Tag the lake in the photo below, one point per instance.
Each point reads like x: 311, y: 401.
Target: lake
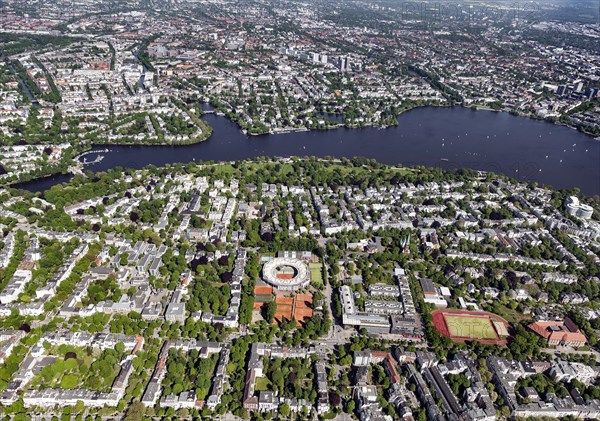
x: 448, y: 138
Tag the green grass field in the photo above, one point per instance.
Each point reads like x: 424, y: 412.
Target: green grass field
x: 262, y: 383
x: 511, y: 316
x: 470, y: 327
x: 316, y: 275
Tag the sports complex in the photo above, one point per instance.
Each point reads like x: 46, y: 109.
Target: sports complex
x: 463, y: 326
x: 287, y: 274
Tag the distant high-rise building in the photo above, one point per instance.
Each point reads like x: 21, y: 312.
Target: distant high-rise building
x: 343, y: 64
x: 591, y: 93
x: 562, y: 89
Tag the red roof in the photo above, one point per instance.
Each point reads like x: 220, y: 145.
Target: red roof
x: 559, y: 331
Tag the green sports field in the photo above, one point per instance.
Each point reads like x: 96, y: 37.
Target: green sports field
x: 316, y: 276
x: 470, y: 327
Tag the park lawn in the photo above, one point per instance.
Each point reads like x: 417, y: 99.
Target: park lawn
x: 224, y: 170
x: 511, y: 316
x: 286, y: 169
x: 316, y: 274
x: 262, y: 383
x: 252, y: 168
x: 470, y: 327
x: 404, y: 170
x: 333, y: 167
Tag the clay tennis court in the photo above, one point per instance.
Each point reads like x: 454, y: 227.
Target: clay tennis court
x: 281, y: 313
x: 303, y: 307
x: 263, y: 290
x: 299, y: 306
x: 285, y: 307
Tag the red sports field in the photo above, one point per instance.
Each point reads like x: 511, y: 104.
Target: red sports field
x: 462, y: 326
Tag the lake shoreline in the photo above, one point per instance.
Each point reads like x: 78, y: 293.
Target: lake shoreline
x: 448, y: 137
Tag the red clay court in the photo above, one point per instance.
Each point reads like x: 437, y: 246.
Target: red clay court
x: 303, y: 307
x: 285, y: 308
x: 263, y: 290
x: 463, y: 326
x: 300, y: 306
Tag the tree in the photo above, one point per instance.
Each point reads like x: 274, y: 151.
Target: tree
x: 278, y: 379
x: 335, y: 399
x: 270, y: 312
x: 350, y: 406
x: 135, y: 412
x: 177, y: 388
x: 79, y: 407
x: 284, y: 410
x: 69, y: 381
